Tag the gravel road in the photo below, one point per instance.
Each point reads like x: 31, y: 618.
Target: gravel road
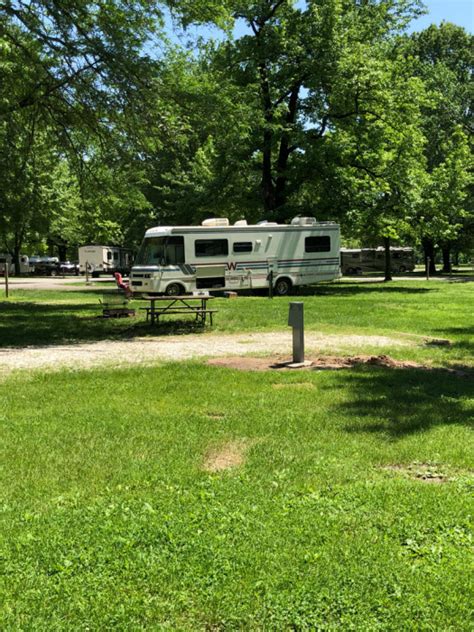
x: 154, y: 350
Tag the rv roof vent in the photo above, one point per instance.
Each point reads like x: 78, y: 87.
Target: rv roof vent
x: 303, y: 221
x: 264, y: 222
x: 216, y: 221
x: 241, y: 222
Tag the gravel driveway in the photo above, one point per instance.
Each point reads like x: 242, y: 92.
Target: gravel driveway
x: 153, y: 350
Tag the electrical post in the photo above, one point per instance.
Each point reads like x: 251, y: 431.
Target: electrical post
x: 5, y: 274
x: 272, y: 263
x: 428, y: 268
x: 270, y: 284
x: 296, y: 320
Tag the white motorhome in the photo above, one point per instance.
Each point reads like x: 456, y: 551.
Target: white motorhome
x: 216, y: 255
x: 104, y: 260
x: 7, y: 259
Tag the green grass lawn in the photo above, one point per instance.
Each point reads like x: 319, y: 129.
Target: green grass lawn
x: 351, y: 510
x: 412, y: 308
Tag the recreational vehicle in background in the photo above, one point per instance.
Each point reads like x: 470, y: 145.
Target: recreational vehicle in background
x: 216, y: 255
x: 104, y: 260
x: 359, y: 260
x: 7, y: 260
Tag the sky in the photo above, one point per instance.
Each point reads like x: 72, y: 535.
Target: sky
x: 459, y: 12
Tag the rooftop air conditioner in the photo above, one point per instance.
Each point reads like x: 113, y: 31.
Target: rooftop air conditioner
x: 303, y: 221
x: 216, y: 221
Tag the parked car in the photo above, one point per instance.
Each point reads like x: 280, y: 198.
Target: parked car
x: 46, y: 266
x: 69, y: 267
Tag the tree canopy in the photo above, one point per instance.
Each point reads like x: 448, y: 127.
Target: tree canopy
x: 110, y: 123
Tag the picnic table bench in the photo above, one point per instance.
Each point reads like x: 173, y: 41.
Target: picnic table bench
x: 193, y: 304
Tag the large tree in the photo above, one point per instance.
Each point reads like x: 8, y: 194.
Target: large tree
x: 292, y: 66
x: 444, y: 59
x: 380, y: 153
x: 79, y: 76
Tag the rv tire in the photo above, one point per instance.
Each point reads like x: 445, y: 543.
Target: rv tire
x: 174, y: 289
x: 282, y: 287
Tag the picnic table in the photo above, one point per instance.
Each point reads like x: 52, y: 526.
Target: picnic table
x: 194, y: 304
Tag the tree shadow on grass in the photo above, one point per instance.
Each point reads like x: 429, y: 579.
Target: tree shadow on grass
x: 400, y: 402
x: 25, y: 324
x: 465, y: 337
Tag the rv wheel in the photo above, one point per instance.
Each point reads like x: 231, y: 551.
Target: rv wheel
x: 174, y: 289
x: 282, y: 287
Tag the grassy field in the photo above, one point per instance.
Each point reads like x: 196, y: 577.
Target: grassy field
x: 412, y: 308
x: 351, y: 509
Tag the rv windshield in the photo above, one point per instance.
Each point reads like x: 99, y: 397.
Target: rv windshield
x: 156, y: 251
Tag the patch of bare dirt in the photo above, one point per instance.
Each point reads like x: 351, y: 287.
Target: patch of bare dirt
x: 291, y: 385
x: 227, y: 456
x: 424, y: 472
x: 437, y: 342
x: 319, y: 363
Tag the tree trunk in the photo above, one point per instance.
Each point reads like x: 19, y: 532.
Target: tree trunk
x: 16, y: 259
x: 284, y: 154
x: 388, y: 259
x: 62, y: 252
x: 446, y: 250
x: 268, y: 188
x: 429, y: 250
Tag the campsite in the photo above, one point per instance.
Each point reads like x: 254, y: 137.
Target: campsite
x: 236, y: 315
x: 323, y: 497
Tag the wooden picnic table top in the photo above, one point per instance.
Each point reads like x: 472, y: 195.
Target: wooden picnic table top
x: 181, y: 304
x: 183, y: 297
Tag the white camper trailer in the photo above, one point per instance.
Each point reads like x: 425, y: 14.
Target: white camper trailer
x: 7, y: 259
x: 216, y: 255
x: 104, y: 260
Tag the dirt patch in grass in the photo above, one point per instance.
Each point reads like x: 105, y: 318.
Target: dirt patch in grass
x: 216, y: 416
x: 438, y: 342
x: 424, y: 472
x: 290, y: 385
x: 227, y: 456
x: 319, y: 363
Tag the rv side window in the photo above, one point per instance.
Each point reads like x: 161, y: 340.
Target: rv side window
x: 242, y: 246
x: 211, y: 247
x: 317, y: 244
x: 115, y: 256
x: 174, y: 250
x: 109, y: 255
